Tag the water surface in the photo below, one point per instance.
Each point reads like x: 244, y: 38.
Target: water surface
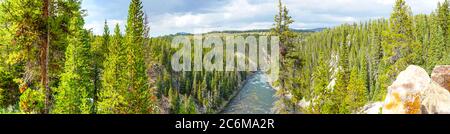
x: 255, y: 97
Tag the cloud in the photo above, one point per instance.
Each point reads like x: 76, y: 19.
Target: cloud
x: 237, y: 14
x: 172, y: 16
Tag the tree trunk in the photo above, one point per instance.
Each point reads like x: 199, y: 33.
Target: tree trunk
x: 45, y: 39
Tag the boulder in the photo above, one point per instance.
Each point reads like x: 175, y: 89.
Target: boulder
x: 435, y: 100
x: 441, y: 75
x: 404, y: 95
x: 414, y: 92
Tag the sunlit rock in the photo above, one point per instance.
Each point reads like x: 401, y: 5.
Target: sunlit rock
x: 404, y: 95
x: 436, y: 100
x: 371, y: 108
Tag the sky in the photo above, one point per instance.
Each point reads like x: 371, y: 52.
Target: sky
x: 199, y: 16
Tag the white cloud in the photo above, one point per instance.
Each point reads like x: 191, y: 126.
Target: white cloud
x: 228, y: 17
x: 257, y: 14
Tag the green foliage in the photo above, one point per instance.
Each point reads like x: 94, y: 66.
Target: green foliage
x: 338, y: 69
x: 9, y: 94
x: 399, y: 47
x: 321, y: 92
x: 28, y: 28
x: 190, y: 92
x: 75, y: 93
x: 99, y: 50
x: 32, y: 101
x: 281, y: 29
x: 111, y: 99
x: 139, y: 96
x: 357, y: 96
x: 173, y: 101
x: 437, y: 52
x: 361, y: 60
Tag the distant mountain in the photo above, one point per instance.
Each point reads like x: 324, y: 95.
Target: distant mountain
x: 183, y: 33
x: 268, y: 30
x: 248, y: 31
x: 317, y: 29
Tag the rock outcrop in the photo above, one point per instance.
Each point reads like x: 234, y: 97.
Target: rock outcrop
x: 404, y: 95
x: 414, y: 92
x: 441, y: 75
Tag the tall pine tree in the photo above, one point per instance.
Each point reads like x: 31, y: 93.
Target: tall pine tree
x: 139, y: 96
x: 399, y: 47
x: 111, y: 97
x: 74, y: 94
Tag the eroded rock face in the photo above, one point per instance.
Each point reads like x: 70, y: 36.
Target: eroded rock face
x: 441, y: 75
x: 404, y: 95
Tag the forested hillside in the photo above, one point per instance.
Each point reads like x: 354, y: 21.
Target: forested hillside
x: 51, y: 64
x: 340, y: 69
x: 79, y: 72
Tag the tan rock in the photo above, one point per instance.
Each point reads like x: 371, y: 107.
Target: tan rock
x: 436, y: 100
x: 441, y: 75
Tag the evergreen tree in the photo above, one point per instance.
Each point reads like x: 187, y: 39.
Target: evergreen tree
x: 357, y: 90
x: 111, y: 98
x: 399, y: 48
x: 75, y: 93
x: 174, y: 101
x: 320, y: 76
x: 440, y: 33
x: 342, y: 77
x: 435, y: 50
x: 286, y: 37
x: 139, y: 93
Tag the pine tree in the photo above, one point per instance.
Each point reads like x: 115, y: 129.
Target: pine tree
x: 399, y: 48
x: 29, y: 22
x: 9, y: 94
x: 436, y: 48
x: 174, y: 101
x: 75, y: 92
x: 190, y: 106
x: 138, y: 97
x: 357, y: 90
x: 440, y: 33
x: 201, y: 91
x: 320, y: 76
x: 443, y: 18
x: 342, y: 77
x: 286, y: 37
x: 99, y: 51
x: 106, y: 39
x: 111, y: 99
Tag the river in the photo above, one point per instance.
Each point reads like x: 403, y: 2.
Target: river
x: 255, y: 97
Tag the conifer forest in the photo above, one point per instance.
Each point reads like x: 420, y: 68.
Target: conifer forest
x: 51, y: 64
